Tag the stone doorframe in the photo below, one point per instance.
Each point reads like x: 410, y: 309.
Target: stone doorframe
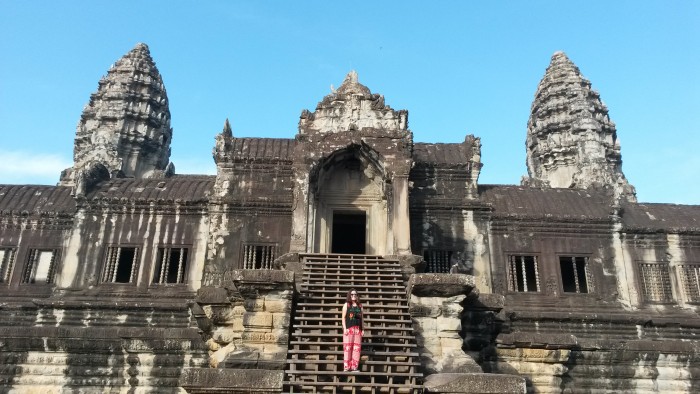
x: 318, y: 192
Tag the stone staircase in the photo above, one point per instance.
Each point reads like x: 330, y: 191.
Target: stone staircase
x: 389, y: 362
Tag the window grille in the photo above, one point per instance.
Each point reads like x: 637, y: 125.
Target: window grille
x: 121, y: 265
x: 40, y: 266
x: 575, y: 275
x: 523, y: 274
x: 656, y: 282
x: 258, y: 256
x: 437, y: 260
x: 690, y: 281
x: 171, y: 266
x: 7, y: 260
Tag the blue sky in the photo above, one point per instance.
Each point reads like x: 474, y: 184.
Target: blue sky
x: 458, y: 67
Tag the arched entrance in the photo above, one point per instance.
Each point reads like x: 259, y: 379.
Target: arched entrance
x: 348, y: 203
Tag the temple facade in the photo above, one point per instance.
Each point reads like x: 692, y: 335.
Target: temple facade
x: 127, y: 276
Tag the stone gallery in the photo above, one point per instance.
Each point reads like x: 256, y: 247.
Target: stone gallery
x: 130, y: 277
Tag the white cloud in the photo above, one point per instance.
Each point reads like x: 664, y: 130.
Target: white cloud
x: 20, y: 167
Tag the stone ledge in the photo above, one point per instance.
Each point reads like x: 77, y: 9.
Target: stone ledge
x: 486, y: 301
x: 461, y: 383
x: 262, y: 276
x: 537, y: 340
x: 210, y: 380
x: 440, y: 285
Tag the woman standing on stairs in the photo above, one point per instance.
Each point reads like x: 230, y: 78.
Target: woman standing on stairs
x: 352, y: 331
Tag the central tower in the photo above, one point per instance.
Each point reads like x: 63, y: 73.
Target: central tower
x: 351, y: 163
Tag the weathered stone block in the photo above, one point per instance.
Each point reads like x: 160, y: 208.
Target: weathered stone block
x: 257, y: 320
x: 440, y: 285
x: 464, y: 383
x: 223, y: 335
x: 448, y: 324
x: 276, y: 305
x: 280, y: 320
x: 254, y: 305
x: 426, y: 325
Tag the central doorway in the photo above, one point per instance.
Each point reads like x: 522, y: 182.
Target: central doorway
x: 349, y: 232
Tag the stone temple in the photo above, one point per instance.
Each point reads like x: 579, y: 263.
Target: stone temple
x: 130, y: 277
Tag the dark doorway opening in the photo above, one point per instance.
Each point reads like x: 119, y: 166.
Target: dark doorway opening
x: 349, y: 232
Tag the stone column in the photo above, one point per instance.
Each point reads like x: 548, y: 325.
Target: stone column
x: 300, y: 210
x: 401, y: 227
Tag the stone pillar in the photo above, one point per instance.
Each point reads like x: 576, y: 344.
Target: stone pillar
x: 300, y: 210
x: 401, y: 227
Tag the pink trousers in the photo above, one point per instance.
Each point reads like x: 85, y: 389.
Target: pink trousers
x: 352, y: 341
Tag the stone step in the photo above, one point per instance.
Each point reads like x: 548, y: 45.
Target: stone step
x: 322, y: 387
x: 367, y: 353
x: 339, y: 306
x: 369, y: 321
x: 370, y: 363
x: 382, y: 293
x: 361, y: 288
x: 317, y: 329
x: 358, y: 373
x: 339, y: 299
x: 368, y: 312
x: 387, y: 277
x: 367, y: 337
x: 389, y: 351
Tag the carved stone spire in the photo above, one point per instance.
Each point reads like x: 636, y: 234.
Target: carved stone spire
x: 352, y: 107
x: 126, y: 125
x: 571, y: 141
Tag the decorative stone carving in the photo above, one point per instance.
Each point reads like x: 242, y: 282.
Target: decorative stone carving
x: 571, y: 141
x: 352, y: 107
x: 126, y: 125
x: 248, y: 320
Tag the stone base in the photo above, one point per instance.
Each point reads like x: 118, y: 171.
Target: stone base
x: 235, y: 381
x: 255, y: 360
x: 448, y: 383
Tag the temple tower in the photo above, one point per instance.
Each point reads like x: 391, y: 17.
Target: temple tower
x: 571, y: 141
x: 124, y: 130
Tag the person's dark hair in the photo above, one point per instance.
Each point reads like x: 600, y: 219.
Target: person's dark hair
x: 348, y: 299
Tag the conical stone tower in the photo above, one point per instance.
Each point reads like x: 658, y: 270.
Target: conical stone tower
x: 571, y: 141
x: 125, y: 128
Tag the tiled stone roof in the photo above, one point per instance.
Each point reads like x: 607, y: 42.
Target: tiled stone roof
x: 508, y: 200
x: 35, y: 199
x: 262, y: 148
x: 661, y: 217
x: 190, y: 188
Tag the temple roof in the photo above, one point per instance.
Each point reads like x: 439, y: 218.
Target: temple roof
x: 186, y: 188
x: 558, y: 203
x: 262, y: 148
x: 36, y: 199
x: 661, y: 217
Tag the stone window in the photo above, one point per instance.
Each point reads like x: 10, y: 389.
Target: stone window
x: 41, y: 264
x: 656, y: 282
x: 689, y: 275
x: 121, y: 265
x: 575, y: 275
x: 258, y: 256
x: 171, y: 266
x: 437, y: 260
x: 7, y: 260
x: 523, y: 274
